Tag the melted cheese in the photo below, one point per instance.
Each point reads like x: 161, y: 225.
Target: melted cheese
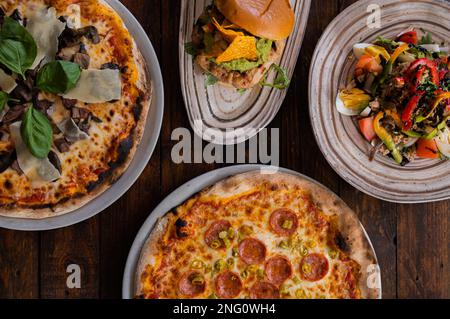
x: 97, y: 86
x: 45, y: 28
x: 7, y: 82
x: 37, y: 170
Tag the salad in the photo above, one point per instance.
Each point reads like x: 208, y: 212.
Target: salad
x: 400, y: 95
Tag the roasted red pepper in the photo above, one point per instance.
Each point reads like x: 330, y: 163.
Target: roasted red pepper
x: 408, y: 37
x: 409, y: 110
x: 431, y: 65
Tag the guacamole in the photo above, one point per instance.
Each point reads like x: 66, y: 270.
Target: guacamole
x: 263, y: 46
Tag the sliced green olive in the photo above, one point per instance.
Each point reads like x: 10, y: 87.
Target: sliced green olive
x: 287, y: 224
x: 197, y: 264
x: 220, y: 265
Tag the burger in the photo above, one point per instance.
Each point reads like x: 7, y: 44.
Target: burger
x: 237, y: 42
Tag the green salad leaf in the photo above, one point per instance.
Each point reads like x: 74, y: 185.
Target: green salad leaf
x: 37, y: 133
x: 210, y: 79
x: 58, y: 77
x: 18, y: 50
x: 190, y: 49
x: 282, y: 80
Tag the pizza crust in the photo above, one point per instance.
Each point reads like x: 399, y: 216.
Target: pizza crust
x: 145, y: 85
x: 360, y: 248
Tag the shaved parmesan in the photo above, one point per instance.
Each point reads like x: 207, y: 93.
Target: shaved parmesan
x: 71, y: 131
x: 7, y: 82
x: 45, y: 28
x: 73, y: 16
x: 97, y: 86
x: 37, y: 170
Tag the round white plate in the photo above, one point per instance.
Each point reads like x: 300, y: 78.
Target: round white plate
x: 214, y: 110
x: 178, y: 197
x: 338, y: 136
x: 143, y: 153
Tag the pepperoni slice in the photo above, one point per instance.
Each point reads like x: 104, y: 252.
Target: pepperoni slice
x: 228, y: 285
x: 278, y: 270
x: 314, y: 267
x: 189, y: 285
x: 283, y: 222
x: 264, y: 290
x: 252, y: 251
x: 212, y: 234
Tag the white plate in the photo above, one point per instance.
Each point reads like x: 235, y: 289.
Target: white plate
x: 143, y: 153
x: 338, y: 136
x: 178, y: 197
x: 214, y: 109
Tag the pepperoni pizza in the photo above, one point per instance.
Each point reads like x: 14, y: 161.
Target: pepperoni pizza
x: 258, y: 236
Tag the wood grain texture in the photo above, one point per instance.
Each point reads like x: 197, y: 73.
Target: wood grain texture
x: 412, y: 241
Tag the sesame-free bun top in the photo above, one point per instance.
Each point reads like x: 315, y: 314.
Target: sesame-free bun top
x: 270, y: 19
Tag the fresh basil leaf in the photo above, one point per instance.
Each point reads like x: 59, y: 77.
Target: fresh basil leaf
x: 282, y: 80
x: 3, y: 100
x: 242, y: 91
x: 58, y: 77
x: 210, y: 79
x: 190, y: 49
x: 18, y: 50
x: 37, y: 133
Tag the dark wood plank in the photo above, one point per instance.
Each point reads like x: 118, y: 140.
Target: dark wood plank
x: 76, y: 245
x: 121, y: 222
x: 19, y: 264
x: 424, y: 251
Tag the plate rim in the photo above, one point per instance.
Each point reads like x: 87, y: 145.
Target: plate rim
x: 189, y: 189
x: 336, y: 167
x: 134, y: 171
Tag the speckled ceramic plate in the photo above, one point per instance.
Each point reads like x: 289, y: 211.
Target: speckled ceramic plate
x: 214, y: 109
x: 143, y: 153
x: 186, y: 191
x: 338, y: 136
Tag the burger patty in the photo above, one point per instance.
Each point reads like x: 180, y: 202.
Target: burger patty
x: 245, y: 80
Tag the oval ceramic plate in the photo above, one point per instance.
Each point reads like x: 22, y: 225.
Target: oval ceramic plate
x: 214, y: 109
x: 338, y: 136
x: 143, y: 153
x: 182, y: 194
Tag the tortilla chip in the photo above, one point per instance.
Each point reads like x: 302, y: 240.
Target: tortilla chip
x: 243, y: 47
x: 230, y: 35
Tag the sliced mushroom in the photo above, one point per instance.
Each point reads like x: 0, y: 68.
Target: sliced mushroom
x: 68, y: 104
x: 54, y: 159
x: 82, y: 59
x: 91, y: 33
x: 79, y: 113
x: 67, y: 53
x: 42, y: 105
x: 14, y: 114
x: 110, y: 65
x: 71, y: 37
x: 62, y: 145
x: 6, y: 160
x: 22, y: 92
x: 16, y: 15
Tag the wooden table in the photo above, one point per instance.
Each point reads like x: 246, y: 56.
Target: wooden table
x: 412, y: 241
